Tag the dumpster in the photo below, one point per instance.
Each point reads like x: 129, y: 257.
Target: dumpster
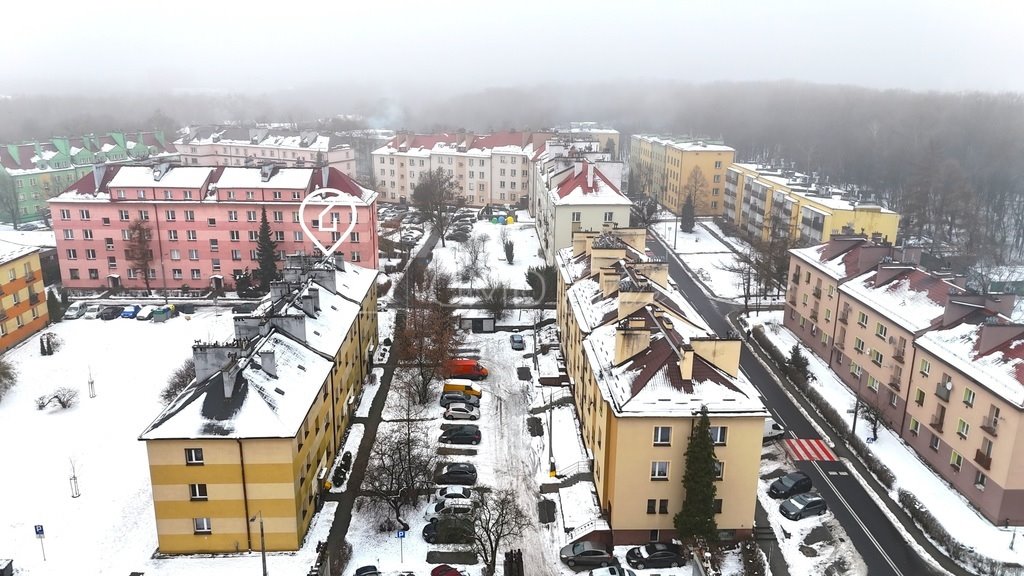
x: 162, y: 314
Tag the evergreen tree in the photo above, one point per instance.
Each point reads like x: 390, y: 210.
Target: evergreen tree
x: 798, y: 365
x: 266, y: 255
x: 139, y: 250
x: 42, y: 347
x: 686, y: 215
x: 53, y: 307
x: 697, y: 518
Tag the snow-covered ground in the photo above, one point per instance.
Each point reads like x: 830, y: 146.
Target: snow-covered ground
x: 355, y: 437
x: 912, y: 474
x: 527, y: 248
x: 370, y: 390
x: 700, y: 241
x: 706, y: 256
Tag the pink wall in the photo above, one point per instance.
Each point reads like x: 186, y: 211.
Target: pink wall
x: 364, y: 251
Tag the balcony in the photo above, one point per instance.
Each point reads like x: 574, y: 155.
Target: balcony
x: 817, y: 293
x: 33, y: 298
x: 795, y: 277
x: 840, y: 345
x: 814, y: 315
x: 844, y: 317
x: 983, y: 460
x: 792, y: 301
x: 988, y: 424
x: 894, y: 383
x: 30, y: 277
x: 937, y: 422
x: 942, y: 391
x: 3, y: 314
x: 898, y: 356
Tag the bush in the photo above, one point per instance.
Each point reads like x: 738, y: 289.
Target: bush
x: 179, y: 380
x: 753, y: 560
x: 43, y: 401
x: 497, y: 298
x: 382, y: 289
x: 65, y: 397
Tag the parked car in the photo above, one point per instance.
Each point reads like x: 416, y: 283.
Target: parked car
x: 655, y: 555
x: 462, y: 434
x: 518, y: 342
x: 111, y: 312
x: 457, y: 492
x: 92, y: 312
x: 457, y: 473
x: 367, y: 571
x: 27, y: 227
x: 586, y: 553
x: 146, y: 312
x: 244, y: 308
x: 445, y: 570
x: 448, y: 508
x: 461, y: 412
x: 464, y: 368
x: 456, y: 236
x: 449, y: 531
x: 449, y: 398
x: 803, y: 505
x: 611, y: 571
x: 772, y: 430
x: 462, y: 386
x: 130, y: 311
x: 790, y: 485
x: 76, y: 310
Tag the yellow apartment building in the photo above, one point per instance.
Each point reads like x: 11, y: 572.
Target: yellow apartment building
x: 660, y: 168
x: 764, y: 202
x: 257, y: 432
x: 642, y: 364
x: 22, y: 294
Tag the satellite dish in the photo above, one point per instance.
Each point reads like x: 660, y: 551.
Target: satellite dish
x: 949, y: 385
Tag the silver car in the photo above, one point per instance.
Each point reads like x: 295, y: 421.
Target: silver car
x: 460, y: 411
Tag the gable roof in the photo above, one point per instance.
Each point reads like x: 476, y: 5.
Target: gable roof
x: 912, y: 298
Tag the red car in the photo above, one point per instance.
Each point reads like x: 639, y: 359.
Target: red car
x: 445, y: 570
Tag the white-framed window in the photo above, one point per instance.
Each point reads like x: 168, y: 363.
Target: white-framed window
x: 925, y: 367
x: 90, y: 254
x: 278, y: 216
x: 915, y: 426
x: 72, y: 254
x: 197, y: 274
x: 962, y: 428
x: 236, y: 255
x: 202, y: 526
x: 193, y: 456
x: 172, y: 235
x: 254, y: 235
x: 659, y: 470
x: 250, y: 215
x: 719, y: 434
x: 356, y: 257
x: 956, y: 460
x: 235, y: 235
x: 608, y: 216
x: 232, y: 215
x: 143, y: 214
x: 193, y: 254
x: 719, y: 469
x: 197, y: 492
x: 191, y: 234
x: 881, y: 330
x: 123, y: 215
x: 176, y: 273
x: 662, y: 435
x: 576, y: 216
x: 69, y: 234
x: 175, y: 254
x: 190, y: 215
x: 969, y: 397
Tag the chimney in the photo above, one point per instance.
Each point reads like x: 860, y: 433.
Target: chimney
x: 577, y: 167
x: 324, y: 174
x: 314, y: 293
x: 307, y: 305
x: 686, y: 363
x: 230, y: 377
x: 98, y: 171
x: 590, y: 176
x: 630, y: 340
x: 278, y: 290
x: 269, y: 362
x: 339, y: 262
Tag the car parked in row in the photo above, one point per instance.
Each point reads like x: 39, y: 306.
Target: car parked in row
x: 449, y: 531
x: 465, y: 368
x: 76, y: 310
x: 446, y: 570
x: 92, y: 312
x: 586, y: 553
x: 790, y: 485
x: 460, y: 473
x: 518, y: 342
x: 463, y: 386
x: 146, y: 312
x: 130, y: 311
x: 803, y: 505
x: 611, y: 571
x: 461, y: 412
x: 453, y: 492
x: 111, y: 312
x: 655, y: 555
x: 449, y: 398
x: 461, y: 434
x: 448, y: 508
x: 367, y: 571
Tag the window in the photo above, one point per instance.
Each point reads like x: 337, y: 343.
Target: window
x: 881, y: 330
x: 876, y: 357
x: 249, y: 194
x: 719, y: 434
x: 215, y: 262
x: 718, y: 163
x: 190, y: 216
x: 659, y: 470
x: 214, y: 245
x: 718, y: 505
x: 196, y: 274
x: 893, y: 398
x: 197, y: 492
x: 175, y: 254
x: 356, y: 257
x: 980, y: 480
x: 719, y: 469
x: 193, y: 456
x: 962, y: 428
x: 108, y: 243
x: 170, y: 215
x: 933, y: 443
x: 652, y: 505
x: 172, y: 235
x: 211, y: 221
x: 717, y: 178
x: 295, y: 217
x: 72, y: 254
x: 90, y: 254
x: 69, y: 234
x: 919, y: 397
x: 662, y: 435
x: 143, y: 214
x: 236, y: 254
x: 253, y: 255
x: 872, y: 383
x: 188, y: 194
x: 858, y: 345
x: 65, y: 214
x: 968, y: 397
x: 254, y: 235
x: 575, y: 215
x: 278, y: 216
x: 250, y: 215
x: 298, y: 236
x: 663, y: 506
x: 925, y: 367
x: 123, y: 215
x: 193, y: 254
x: 855, y: 369
x: 915, y: 426
x: 201, y: 525
x: 608, y: 216
x: 862, y: 319
x: 232, y: 215
x: 956, y: 460
x: 191, y: 235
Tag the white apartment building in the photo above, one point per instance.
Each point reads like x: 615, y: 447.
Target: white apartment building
x: 236, y: 146
x: 491, y: 169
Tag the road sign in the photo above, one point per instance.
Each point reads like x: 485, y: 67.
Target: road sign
x: 401, y: 533
x: 39, y: 531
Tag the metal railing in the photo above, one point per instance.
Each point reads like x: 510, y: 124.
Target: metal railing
x: 844, y: 317
x: 816, y: 292
x: 983, y: 460
x: 990, y: 425
x: 937, y: 422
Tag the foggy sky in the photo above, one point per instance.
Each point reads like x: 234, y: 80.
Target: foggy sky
x: 402, y: 47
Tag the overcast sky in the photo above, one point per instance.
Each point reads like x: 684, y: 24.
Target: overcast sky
x: 219, y: 45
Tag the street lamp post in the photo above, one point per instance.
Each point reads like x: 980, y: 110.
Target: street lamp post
x: 263, y: 541
x: 856, y: 410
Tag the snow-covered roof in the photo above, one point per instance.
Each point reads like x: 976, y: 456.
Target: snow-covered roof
x: 591, y: 307
x: 815, y: 256
x: 175, y: 177
x: 589, y: 189
x: 686, y: 145
x: 34, y: 238
x: 1000, y: 370
x: 10, y: 251
x: 913, y: 299
x: 252, y: 178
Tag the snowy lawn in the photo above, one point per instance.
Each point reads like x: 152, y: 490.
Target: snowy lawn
x: 700, y: 241
x: 527, y: 248
x: 355, y: 436
x: 370, y: 390
x: 946, y: 504
x: 567, y: 445
x: 110, y: 528
x: 805, y: 552
x: 578, y: 504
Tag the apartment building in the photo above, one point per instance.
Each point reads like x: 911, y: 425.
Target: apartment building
x: 363, y: 143
x: 607, y: 138
x: 22, y: 294
x: 252, y: 147
x: 765, y: 202
x: 574, y: 193
x: 642, y: 365
x: 660, y: 168
x: 204, y: 222
x: 33, y: 172
x: 256, y: 432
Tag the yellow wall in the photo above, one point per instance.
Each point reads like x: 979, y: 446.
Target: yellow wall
x: 26, y: 286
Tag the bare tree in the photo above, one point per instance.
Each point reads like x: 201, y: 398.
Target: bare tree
x: 497, y: 297
x: 140, y: 253
x: 65, y: 397
x: 694, y: 189
x: 497, y: 519
x: 181, y: 377
x: 401, y: 463
x: 426, y: 342
x: 644, y: 213
x: 472, y: 258
x: 10, y: 203
x: 437, y: 197
x: 872, y: 415
x: 745, y: 278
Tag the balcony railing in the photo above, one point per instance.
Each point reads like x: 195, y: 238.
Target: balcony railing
x: 814, y: 315
x: 30, y: 276
x: 33, y: 298
x: 844, y: 317
x: 894, y: 383
x: 937, y: 422
x: 942, y: 392
x: 983, y: 460
x: 3, y: 314
x: 990, y: 424
x: 792, y: 301
x: 840, y: 345
x: 898, y: 356
x: 795, y: 277
x: 817, y: 293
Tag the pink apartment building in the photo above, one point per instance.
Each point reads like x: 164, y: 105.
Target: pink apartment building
x: 204, y: 222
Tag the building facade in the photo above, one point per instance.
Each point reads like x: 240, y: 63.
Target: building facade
x: 363, y: 143
x: 22, y: 294
x: 642, y: 365
x: 253, y: 147
x: 765, y: 202
x: 204, y: 222
x: 661, y: 168
x: 32, y: 173
x: 256, y: 432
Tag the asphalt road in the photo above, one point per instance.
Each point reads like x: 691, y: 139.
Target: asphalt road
x: 879, y: 544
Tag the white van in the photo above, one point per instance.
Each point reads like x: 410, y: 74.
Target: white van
x: 772, y: 430
x: 75, y: 310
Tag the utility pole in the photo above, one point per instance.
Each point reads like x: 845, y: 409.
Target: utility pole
x: 263, y: 541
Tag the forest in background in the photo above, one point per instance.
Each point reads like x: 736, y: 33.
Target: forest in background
x: 951, y: 163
